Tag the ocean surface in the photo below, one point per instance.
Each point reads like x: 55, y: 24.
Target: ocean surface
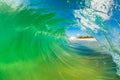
x: 34, y: 44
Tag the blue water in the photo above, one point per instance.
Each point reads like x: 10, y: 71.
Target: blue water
x: 99, y: 18
x: 87, y: 47
x: 91, y: 51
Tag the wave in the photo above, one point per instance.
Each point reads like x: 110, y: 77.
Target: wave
x: 34, y: 46
x: 99, y: 18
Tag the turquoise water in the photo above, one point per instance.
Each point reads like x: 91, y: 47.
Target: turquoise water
x: 34, y: 44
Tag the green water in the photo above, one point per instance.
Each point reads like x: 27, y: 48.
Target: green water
x: 33, y: 47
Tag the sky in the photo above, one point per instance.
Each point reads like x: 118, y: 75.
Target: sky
x: 75, y: 31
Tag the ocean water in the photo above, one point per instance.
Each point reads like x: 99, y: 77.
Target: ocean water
x: 95, y: 57
x: 90, y: 46
x: 34, y: 44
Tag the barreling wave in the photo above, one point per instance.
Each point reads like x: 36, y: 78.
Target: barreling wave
x: 100, y: 19
x: 34, y: 46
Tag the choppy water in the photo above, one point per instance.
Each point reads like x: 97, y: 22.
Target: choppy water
x: 34, y: 46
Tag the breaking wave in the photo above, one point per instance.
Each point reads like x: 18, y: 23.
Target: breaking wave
x: 34, y: 46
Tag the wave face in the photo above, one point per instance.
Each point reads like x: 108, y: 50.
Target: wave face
x: 100, y: 19
x: 34, y: 46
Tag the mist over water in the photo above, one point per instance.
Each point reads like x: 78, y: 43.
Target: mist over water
x: 34, y: 44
